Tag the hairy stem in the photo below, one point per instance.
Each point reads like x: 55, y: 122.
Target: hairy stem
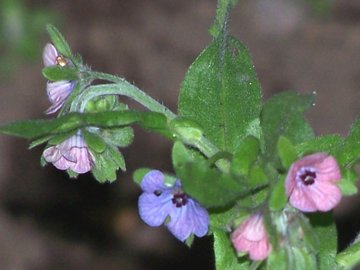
x: 350, y: 257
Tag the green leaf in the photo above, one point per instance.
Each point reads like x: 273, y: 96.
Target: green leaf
x: 325, y: 229
x: 277, y: 260
x: 278, y: 198
x: 180, y: 155
x: 287, y: 152
x: 350, y: 153
x: 32, y: 129
x: 59, y: 41
x: 94, y: 142
x: 225, y: 256
x: 282, y: 115
x: 186, y: 130
x: 245, y: 156
x: 221, y: 93
x: 56, y: 73
x: 208, y: 185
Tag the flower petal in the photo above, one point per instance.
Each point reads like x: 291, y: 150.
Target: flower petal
x: 154, y: 209
x: 181, y: 223
x: 83, y: 162
x: 325, y: 195
x: 260, y: 250
x: 49, y: 55
x: 301, y: 200
x: 153, y: 181
x: 328, y: 170
x: 51, y: 154
x: 200, y: 218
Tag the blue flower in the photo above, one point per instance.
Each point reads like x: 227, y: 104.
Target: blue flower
x: 159, y: 201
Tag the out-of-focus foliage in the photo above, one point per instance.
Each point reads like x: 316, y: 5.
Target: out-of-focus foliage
x: 21, y: 27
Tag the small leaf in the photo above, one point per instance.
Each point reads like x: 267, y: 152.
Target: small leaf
x: 56, y: 73
x: 278, y: 198
x: 245, y: 156
x: 348, y: 183
x: 117, y: 157
x: 40, y: 141
x: 277, y: 260
x: 94, y: 142
x: 225, y: 256
x: 120, y: 137
x: 209, y: 186
x: 59, y: 41
x: 328, y: 143
x: 186, y: 130
x: 180, y: 154
x: 350, y: 152
x: 286, y: 152
x: 139, y: 174
x: 282, y: 115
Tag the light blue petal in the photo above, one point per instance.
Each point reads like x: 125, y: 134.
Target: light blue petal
x: 154, y: 209
x: 187, y: 220
x: 152, y: 181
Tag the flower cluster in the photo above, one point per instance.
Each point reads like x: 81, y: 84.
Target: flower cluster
x: 310, y: 186
x: 57, y: 91
x: 73, y: 153
x: 159, y: 201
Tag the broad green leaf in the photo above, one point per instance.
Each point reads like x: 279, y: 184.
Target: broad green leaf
x: 325, y: 228
x: 278, y: 198
x: 225, y: 256
x: 208, y: 185
x: 56, y: 73
x: 94, y: 142
x: 351, y: 150
x: 59, y: 41
x: 328, y: 143
x: 245, y: 156
x: 32, y: 129
x: 221, y: 93
x: 282, y: 115
x: 287, y: 152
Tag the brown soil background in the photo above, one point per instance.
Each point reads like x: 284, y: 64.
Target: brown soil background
x: 48, y: 221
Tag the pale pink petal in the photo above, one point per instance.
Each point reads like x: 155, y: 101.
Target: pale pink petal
x: 83, y: 163
x: 52, y: 154
x: 49, y: 55
x: 260, y: 250
x: 325, y: 195
x: 62, y: 164
x: 328, y: 170
x: 300, y: 200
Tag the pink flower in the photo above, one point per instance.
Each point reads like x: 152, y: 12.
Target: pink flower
x: 251, y: 237
x: 60, y: 90
x: 311, y: 183
x: 72, y: 154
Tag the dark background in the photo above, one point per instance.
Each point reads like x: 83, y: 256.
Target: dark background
x: 48, y: 221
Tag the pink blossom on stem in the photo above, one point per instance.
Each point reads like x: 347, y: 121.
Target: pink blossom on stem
x: 251, y: 237
x: 72, y: 154
x: 57, y: 91
x: 311, y: 183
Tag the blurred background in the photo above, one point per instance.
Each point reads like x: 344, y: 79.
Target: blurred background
x: 48, y: 221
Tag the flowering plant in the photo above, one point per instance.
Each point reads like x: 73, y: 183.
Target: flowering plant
x: 246, y: 172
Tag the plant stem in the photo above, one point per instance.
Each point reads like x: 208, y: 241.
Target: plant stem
x: 350, y: 257
x: 123, y: 88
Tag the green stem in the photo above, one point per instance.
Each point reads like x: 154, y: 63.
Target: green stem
x: 350, y: 257
x: 122, y: 87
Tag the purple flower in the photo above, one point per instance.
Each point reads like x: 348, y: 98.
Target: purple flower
x: 311, y: 183
x: 72, y: 154
x: 160, y: 201
x: 60, y: 90
x: 251, y: 237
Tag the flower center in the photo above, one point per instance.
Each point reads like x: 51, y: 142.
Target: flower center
x: 157, y: 193
x: 307, y: 176
x: 180, y: 199
x: 61, y: 61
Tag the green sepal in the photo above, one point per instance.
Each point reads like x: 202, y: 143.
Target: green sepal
x: 59, y: 41
x: 40, y: 141
x: 286, y: 151
x: 139, y: 174
x: 245, y: 156
x: 56, y: 73
x: 94, y: 142
x: 186, y: 130
x: 347, y: 184
x: 120, y: 137
x: 278, y: 197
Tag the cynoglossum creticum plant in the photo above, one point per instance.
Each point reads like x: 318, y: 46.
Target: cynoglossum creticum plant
x: 251, y: 174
